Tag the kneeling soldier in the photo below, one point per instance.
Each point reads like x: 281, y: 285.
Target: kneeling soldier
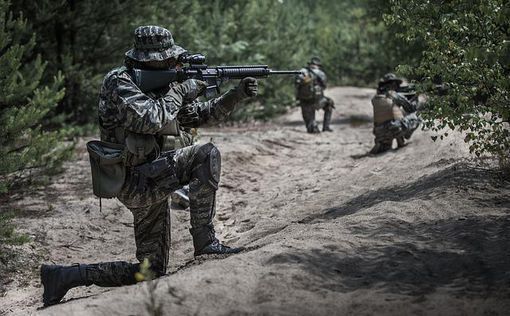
x: 140, y: 122
x: 394, y: 115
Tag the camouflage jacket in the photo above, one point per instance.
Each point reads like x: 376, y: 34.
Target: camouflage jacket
x: 124, y: 109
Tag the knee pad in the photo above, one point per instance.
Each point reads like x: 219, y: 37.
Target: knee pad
x: 207, y: 165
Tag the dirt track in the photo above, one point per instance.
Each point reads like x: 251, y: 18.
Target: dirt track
x: 423, y: 230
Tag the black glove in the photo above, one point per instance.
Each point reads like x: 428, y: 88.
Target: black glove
x: 248, y: 87
x: 192, y: 88
x: 188, y: 116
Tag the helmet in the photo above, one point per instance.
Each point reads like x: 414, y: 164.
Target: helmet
x: 389, y: 77
x: 315, y: 61
x: 153, y: 43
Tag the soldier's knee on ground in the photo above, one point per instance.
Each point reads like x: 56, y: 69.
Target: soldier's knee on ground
x: 207, y: 165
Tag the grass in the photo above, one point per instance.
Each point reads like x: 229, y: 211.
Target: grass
x: 8, y: 234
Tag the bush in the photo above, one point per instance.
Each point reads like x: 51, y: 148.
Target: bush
x: 467, y: 48
x: 85, y: 39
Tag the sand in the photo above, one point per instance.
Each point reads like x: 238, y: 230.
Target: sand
x: 424, y: 230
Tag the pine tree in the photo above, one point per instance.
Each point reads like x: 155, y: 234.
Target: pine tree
x: 25, y: 147
x: 83, y: 40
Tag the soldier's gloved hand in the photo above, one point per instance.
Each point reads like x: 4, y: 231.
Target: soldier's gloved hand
x: 188, y: 116
x: 192, y: 88
x: 248, y: 87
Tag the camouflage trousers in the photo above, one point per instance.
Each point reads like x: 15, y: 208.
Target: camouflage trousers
x: 150, y: 208
x: 400, y: 130
x: 308, y: 109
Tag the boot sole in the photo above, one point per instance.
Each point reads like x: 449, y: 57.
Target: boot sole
x: 220, y: 255
x: 211, y: 256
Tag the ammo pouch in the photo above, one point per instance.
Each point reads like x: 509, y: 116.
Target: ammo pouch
x: 108, y: 169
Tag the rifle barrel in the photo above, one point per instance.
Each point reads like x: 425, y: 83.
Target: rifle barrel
x: 284, y: 72
x: 242, y: 66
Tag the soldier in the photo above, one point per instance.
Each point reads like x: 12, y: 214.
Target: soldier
x: 139, y: 122
x: 394, y: 115
x: 310, y: 86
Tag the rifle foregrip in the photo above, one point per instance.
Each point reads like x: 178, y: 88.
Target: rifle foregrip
x: 240, y: 73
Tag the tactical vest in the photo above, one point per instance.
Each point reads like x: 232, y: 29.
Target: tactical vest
x: 141, y: 148
x: 119, y: 148
x: 385, y: 109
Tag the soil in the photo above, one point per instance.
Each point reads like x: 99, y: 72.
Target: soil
x: 329, y: 230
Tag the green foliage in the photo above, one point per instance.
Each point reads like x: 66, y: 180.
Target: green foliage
x: 466, y: 47
x: 243, y: 32
x: 24, y: 103
x: 349, y: 36
x: 85, y: 39
x: 8, y: 235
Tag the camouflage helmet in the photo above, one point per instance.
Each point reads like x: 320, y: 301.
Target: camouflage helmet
x: 388, y: 78
x: 315, y: 61
x: 153, y: 43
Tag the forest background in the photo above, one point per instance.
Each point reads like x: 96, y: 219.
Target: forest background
x: 54, y: 55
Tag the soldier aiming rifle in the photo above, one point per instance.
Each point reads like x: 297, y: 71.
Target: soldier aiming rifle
x: 141, y: 103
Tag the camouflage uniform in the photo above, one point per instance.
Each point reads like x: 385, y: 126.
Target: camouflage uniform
x: 394, y: 116
x: 126, y: 115
x: 180, y: 197
x: 123, y: 105
x: 310, y: 86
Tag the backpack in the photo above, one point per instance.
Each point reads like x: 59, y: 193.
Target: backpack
x: 312, y: 90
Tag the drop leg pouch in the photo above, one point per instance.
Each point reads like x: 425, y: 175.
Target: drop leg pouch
x: 107, y: 163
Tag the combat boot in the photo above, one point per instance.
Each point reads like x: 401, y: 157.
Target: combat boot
x: 380, y: 148
x: 401, y: 142
x: 376, y: 149
x: 314, y: 130
x: 205, y: 243
x: 57, y: 280
x: 217, y: 248
x: 327, y: 120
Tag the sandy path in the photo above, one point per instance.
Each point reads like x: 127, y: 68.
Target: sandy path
x: 423, y: 230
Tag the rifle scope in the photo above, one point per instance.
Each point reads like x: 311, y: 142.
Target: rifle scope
x: 192, y: 59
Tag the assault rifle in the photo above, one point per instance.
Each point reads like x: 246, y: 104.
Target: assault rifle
x: 148, y: 80
x: 409, y: 90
